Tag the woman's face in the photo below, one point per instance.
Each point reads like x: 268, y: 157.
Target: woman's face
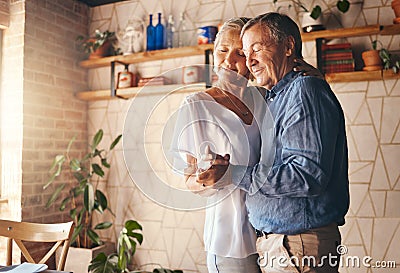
x: 228, y: 53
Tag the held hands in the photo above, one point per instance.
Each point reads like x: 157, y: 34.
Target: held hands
x: 212, y: 176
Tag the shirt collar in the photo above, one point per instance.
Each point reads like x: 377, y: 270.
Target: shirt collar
x: 280, y: 86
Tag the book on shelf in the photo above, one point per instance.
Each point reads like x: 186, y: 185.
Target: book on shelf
x: 336, y: 68
x: 335, y: 46
x: 154, y: 81
x: 337, y: 54
x: 337, y: 58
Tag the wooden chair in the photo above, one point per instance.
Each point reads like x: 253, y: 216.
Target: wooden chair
x: 33, y: 232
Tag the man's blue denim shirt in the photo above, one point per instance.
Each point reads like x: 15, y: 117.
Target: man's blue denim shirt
x: 307, y: 185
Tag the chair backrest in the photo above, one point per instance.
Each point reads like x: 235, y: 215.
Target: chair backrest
x: 60, y: 234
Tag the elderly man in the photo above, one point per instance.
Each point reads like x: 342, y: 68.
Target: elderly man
x: 297, y: 204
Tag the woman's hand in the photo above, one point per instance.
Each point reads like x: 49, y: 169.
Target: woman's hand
x: 212, y: 176
x: 307, y: 69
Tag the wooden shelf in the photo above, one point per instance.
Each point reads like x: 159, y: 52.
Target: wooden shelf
x: 148, y: 56
x: 127, y: 93
x: 180, y: 52
x: 357, y: 76
x: 351, y: 32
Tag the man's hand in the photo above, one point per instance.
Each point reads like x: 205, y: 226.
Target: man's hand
x: 212, y: 176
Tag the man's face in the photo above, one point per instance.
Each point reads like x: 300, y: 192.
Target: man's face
x: 266, y: 60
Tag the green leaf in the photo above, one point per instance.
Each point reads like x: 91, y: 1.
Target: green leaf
x: 115, y: 142
x: 97, y: 152
x: 70, y: 143
x: 94, y: 236
x: 75, y: 165
x: 97, y: 139
x: 76, y: 191
x: 88, y: 198
x: 316, y: 12
x: 72, y: 213
x: 343, y: 5
x: 102, y: 200
x: 55, y: 195
x: 132, y: 225
x: 105, y: 163
x: 97, y: 169
x: 104, y: 264
x: 58, y: 161
x: 103, y: 225
x: 78, y: 176
x: 75, y: 234
x: 138, y: 236
x: 64, y: 203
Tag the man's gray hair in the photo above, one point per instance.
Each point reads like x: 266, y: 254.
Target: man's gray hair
x: 280, y: 27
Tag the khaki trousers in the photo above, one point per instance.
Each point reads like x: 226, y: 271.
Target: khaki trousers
x: 314, y: 251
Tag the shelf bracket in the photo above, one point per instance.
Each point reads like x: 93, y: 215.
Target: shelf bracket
x: 113, y: 87
x: 207, y: 72
x: 318, y: 46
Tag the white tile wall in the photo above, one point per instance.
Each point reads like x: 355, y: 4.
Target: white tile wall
x: 174, y: 238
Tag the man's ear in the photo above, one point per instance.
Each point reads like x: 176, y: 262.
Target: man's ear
x: 289, y: 46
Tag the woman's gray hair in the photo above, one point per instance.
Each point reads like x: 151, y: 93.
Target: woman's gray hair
x: 280, y: 27
x: 235, y: 23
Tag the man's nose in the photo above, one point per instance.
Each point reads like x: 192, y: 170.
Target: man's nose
x: 250, y: 61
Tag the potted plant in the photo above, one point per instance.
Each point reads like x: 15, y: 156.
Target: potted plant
x: 312, y: 20
x: 118, y: 262
x: 98, y: 46
x: 371, y: 58
x: 386, y: 57
x: 396, y: 9
x: 83, y: 198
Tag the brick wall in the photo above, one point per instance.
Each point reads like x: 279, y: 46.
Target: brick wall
x: 4, y: 13
x: 41, y: 75
x: 52, y: 115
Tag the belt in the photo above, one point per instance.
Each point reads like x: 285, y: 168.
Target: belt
x: 260, y: 233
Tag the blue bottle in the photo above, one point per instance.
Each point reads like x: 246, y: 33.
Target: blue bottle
x: 159, y: 33
x: 151, y: 35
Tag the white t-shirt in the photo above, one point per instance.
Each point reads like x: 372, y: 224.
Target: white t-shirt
x: 202, y: 121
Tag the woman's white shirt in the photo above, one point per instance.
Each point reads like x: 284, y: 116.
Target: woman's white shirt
x: 202, y: 121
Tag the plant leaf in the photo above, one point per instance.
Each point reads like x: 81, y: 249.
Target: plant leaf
x: 103, y: 225
x: 94, y: 236
x: 105, y: 163
x: 71, y: 141
x: 97, y: 169
x: 102, y: 200
x: 316, y: 12
x: 132, y: 225
x: 138, y: 236
x: 75, y: 165
x: 343, y: 5
x: 97, y: 139
x: 58, y: 161
x: 103, y: 264
x: 55, y: 195
x: 72, y: 213
x: 115, y: 142
x: 88, y: 199
x: 64, y: 203
x: 79, y: 177
x: 75, y: 234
